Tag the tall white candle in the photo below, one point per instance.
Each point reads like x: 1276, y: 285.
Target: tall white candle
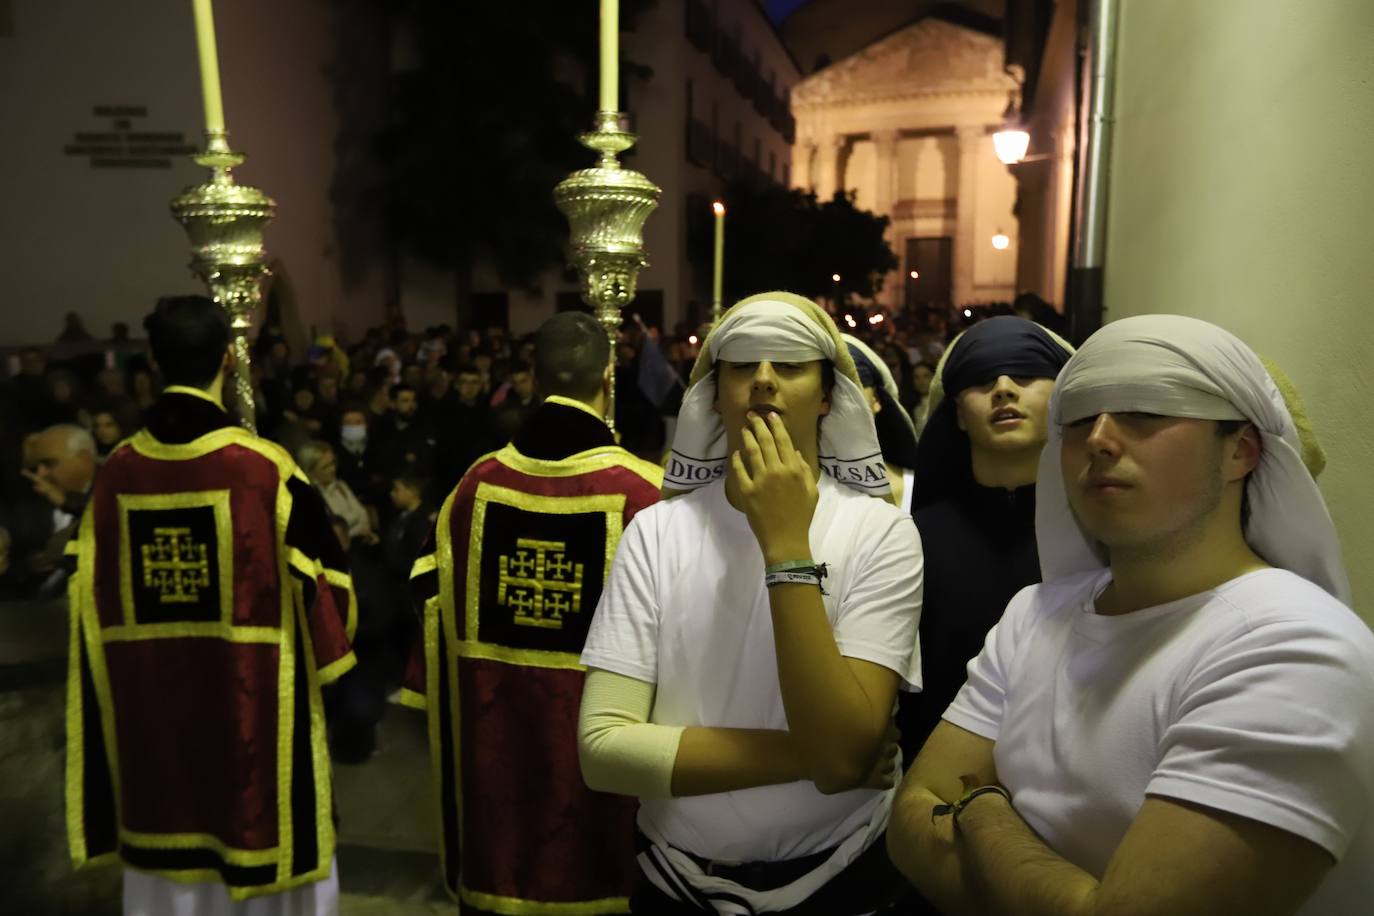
x: 610, y: 55
x: 718, y: 266
x: 209, y: 65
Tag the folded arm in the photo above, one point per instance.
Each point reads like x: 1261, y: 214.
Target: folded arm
x: 1177, y: 858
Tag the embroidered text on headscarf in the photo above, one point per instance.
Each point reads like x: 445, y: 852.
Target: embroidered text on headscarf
x: 1182, y: 367
x: 781, y: 327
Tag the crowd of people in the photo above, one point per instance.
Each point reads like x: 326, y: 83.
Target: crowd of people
x: 377, y: 424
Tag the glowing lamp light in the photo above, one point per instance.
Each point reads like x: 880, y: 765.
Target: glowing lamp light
x: 718, y: 208
x: 835, y: 277
x: 915, y: 275
x: 1001, y: 242
x: 1011, y: 144
x: 968, y: 313
x: 875, y: 319
x: 692, y: 339
x: 849, y: 320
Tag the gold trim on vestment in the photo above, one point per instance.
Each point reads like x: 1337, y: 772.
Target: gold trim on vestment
x: 76, y: 729
x: 611, y: 505
x: 593, y: 459
x: 230, y: 854
x: 343, y: 580
x: 195, y: 393
x: 218, y: 500
x: 412, y: 698
x: 425, y: 564
x: 183, y: 630
x: 575, y: 405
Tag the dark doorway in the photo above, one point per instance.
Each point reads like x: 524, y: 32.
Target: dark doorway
x: 932, y: 259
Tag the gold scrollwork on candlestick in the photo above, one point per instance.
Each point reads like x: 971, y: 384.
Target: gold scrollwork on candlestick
x: 606, y: 207
x: 224, y: 221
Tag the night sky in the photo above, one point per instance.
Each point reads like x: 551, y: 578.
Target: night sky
x: 781, y: 9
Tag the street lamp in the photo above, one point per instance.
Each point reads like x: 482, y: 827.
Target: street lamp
x: 1011, y: 143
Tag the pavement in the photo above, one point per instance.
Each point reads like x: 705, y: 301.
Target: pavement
x: 388, y: 861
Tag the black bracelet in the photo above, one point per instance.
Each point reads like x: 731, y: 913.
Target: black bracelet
x: 956, y: 807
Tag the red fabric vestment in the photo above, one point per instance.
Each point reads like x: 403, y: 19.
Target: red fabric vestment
x: 522, y: 549
x: 207, y: 608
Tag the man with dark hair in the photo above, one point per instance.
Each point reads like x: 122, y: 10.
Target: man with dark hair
x: 1180, y: 718
x: 570, y: 356
x: 405, y: 440
x: 210, y: 602
x: 521, y: 401
x: 520, y: 552
x: 465, y: 431
x: 188, y: 336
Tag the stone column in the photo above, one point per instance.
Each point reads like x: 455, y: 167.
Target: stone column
x: 803, y: 157
x: 885, y: 171
x: 884, y: 199
x: 970, y: 146
x: 830, y: 166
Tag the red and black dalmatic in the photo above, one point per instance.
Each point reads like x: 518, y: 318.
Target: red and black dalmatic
x: 209, y: 603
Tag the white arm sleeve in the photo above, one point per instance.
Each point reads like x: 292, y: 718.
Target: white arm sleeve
x: 619, y: 749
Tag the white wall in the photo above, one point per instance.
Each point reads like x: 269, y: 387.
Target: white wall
x: 101, y: 241
x: 1241, y: 193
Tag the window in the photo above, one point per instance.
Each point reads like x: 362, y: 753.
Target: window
x: 701, y: 139
x: 700, y: 25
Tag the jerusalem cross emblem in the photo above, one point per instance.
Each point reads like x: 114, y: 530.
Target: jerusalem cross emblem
x: 175, y: 566
x: 540, y: 584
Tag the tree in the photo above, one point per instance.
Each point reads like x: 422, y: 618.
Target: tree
x: 781, y: 238
x: 481, y: 123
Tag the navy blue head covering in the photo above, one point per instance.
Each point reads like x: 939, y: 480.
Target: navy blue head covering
x: 1005, y: 345
x: 896, y: 435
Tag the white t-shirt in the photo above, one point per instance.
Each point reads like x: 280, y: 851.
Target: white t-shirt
x: 686, y: 609
x: 1256, y: 698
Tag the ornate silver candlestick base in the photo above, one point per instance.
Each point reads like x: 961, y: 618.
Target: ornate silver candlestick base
x: 224, y: 222
x: 606, y: 207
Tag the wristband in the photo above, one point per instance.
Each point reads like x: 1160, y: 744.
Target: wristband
x: 795, y: 572
x: 789, y: 565
x: 962, y: 803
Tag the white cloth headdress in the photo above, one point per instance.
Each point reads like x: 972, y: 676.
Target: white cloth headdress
x: 779, y: 327
x: 1182, y: 367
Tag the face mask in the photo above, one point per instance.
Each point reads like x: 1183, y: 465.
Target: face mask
x: 353, y: 434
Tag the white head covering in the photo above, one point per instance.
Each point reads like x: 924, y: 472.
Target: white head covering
x: 1182, y: 367
x: 779, y: 327
x: 885, y: 380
